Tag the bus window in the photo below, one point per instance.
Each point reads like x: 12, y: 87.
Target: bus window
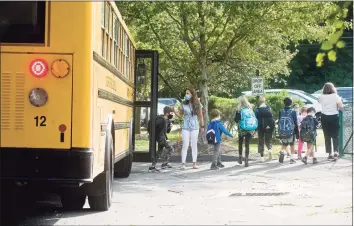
x: 22, y: 22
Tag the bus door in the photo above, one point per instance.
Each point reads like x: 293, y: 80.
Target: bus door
x: 145, y: 102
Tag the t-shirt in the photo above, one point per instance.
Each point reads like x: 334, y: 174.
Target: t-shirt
x: 329, y: 103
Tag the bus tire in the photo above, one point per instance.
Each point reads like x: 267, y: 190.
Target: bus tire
x: 123, y: 168
x: 104, y: 181
x: 72, y: 201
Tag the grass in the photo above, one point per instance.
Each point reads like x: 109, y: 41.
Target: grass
x: 143, y: 144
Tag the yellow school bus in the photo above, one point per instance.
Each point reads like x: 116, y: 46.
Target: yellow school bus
x: 67, y: 89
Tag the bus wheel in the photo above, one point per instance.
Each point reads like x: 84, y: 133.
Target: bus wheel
x: 123, y: 168
x: 104, y: 183
x: 72, y: 201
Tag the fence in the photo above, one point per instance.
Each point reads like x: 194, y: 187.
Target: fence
x: 346, y: 130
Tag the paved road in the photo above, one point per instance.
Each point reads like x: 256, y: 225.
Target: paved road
x: 264, y: 193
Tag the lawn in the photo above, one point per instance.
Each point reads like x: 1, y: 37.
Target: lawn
x: 174, y: 136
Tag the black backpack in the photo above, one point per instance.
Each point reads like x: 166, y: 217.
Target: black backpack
x: 159, y: 126
x: 307, y: 129
x: 266, y: 120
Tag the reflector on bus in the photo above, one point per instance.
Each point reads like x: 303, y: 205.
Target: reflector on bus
x: 39, y: 68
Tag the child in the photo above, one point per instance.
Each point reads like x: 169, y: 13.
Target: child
x: 300, y: 143
x: 162, y: 128
x: 308, y: 133
x: 265, y: 128
x: 247, y: 122
x: 288, y: 129
x: 214, y: 136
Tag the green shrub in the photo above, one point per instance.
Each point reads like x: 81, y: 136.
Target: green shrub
x: 228, y: 106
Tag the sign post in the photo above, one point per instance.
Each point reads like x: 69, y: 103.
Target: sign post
x: 257, y: 86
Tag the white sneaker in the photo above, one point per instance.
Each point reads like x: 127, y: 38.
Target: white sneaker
x: 183, y: 166
x: 262, y: 159
x: 270, y: 155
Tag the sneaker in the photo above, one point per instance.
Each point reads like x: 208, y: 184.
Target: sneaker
x: 183, y: 166
x: 153, y: 169
x: 262, y: 159
x: 270, y: 155
x: 220, y: 165
x: 330, y: 157
x: 281, y: 156
x: 214, y: 167
x: 336, y: 155
x: 292, y: 161
x: 246, y: 161
x: 166, y: 166
x: 299, y: 157
x: 304, y: 160
x: 314, y: 161
x: 240, y: 160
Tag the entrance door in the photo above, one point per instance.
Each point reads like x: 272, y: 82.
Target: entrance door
x: 146, y: 92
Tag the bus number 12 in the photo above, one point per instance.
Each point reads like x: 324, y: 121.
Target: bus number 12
x: 40, y: 121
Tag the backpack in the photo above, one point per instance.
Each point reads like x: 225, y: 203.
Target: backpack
x: 158, y: 126
x: 248, y: 120
x: 286, y: 124
x: 266, y: 116
x: 307, y: 129
x: 211, y: 132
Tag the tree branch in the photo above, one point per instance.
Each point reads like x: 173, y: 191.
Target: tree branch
x: 172, y: 17
x: 163, y: 47
x: 186, y: 33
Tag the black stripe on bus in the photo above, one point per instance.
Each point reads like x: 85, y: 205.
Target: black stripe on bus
x: 103, y: 94
x: 117, y: 126
x: 113, y: 70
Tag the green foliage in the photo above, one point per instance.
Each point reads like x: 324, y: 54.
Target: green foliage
x: 337, y: 20
x: 228, y: 106
x: 217, y: 46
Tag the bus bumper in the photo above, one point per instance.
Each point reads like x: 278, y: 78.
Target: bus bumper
x: 51, y: 165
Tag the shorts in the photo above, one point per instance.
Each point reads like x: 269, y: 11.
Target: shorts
x: 288, y: 141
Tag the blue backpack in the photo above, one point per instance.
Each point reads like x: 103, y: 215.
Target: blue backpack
x: 286, y: 124
x: 248, y: 121
x: 211, y: 132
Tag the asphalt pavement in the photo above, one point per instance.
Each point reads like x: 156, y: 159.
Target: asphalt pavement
x: 263, y: 194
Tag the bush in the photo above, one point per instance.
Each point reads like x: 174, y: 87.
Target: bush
x: 228, y: 106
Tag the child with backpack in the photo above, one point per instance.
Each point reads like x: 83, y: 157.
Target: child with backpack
x: 308, y: 134
x: 214, y: 137
x: 247, y: 124
x: 287, y: 130
x: 162, y: 127
x: 300, y: 143
x: 265, y: 128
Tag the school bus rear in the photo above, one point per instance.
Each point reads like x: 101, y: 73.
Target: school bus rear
x: 45, y: 91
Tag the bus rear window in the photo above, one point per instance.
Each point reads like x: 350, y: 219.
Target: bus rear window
x: 22, y: 22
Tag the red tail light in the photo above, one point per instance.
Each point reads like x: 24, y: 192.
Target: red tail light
x: 39, y: 68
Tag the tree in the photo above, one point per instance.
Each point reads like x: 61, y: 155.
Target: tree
x: 216, y: 46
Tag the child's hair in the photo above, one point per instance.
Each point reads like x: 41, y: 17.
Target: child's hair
x: 311, y: 110
x: 215, y: 113
x: 262, y: 100
x: 243, y: 102
x: 287, y: 101
x: 295, y: 104
x: 304, y: 109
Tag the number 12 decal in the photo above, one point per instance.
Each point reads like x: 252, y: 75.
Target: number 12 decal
x: 40, y: 121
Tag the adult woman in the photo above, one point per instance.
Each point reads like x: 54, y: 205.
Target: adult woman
x: 331, y: 103
x: 191, y: 111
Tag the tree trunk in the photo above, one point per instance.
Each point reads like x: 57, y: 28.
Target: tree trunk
x: 203, y: 89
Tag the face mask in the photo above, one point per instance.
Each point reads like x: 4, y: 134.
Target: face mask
x: 170, y: 116
x: 187, y: 97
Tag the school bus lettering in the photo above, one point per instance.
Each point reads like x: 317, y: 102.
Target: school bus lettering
x: 40, y: 121
x: 110, y: 83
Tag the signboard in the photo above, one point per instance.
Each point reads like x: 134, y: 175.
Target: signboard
x: 257, y: 86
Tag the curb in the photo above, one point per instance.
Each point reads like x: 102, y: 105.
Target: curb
x: 207, y: 158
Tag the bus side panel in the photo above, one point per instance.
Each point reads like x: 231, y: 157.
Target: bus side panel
x: 24, y: 125
x: 71, y: 25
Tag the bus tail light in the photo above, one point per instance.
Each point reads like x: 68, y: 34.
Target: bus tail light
x: 39, y: 68
x: 38, y: 97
